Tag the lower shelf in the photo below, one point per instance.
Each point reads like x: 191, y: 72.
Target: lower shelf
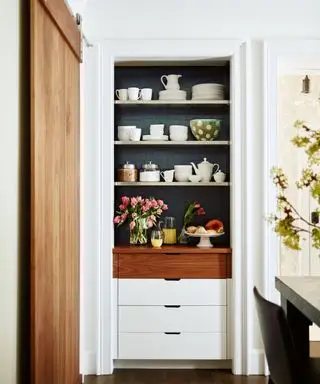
x: 166, y: 184
x: 189, y: 346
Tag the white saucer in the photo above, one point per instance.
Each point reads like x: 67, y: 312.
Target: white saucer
x: 155, y: 138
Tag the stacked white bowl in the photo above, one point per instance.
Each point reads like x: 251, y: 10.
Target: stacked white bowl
x: 208, y: 91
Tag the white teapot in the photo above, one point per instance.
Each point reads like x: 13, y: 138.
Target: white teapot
x: 172, y: 81
x: 205, y: 169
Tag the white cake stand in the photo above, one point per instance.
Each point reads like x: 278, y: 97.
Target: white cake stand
x: 204, y: 238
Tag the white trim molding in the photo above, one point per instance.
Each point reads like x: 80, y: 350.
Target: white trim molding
x: 241, y: 318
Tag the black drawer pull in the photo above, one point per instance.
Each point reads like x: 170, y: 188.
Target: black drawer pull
x: 172, y: 306
x: 172, y: 333
x: 172, y: 279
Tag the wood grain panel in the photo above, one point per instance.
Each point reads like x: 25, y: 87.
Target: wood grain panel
x: 186, y: 266
x: 61, y: 16
x: 54, y: 203
x: 170, y: 249
x: 229, y: 266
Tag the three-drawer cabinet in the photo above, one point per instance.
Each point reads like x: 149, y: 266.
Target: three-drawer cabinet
x: 172, y: 305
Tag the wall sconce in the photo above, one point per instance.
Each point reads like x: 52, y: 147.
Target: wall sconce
x: 306, y: 85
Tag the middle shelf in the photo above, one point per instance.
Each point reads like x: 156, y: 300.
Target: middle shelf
x: 169, y: 184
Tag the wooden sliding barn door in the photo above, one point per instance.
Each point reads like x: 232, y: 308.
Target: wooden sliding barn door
x: 55, y: 160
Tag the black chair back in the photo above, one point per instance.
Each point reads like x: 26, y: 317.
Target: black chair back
x: 278, y: 343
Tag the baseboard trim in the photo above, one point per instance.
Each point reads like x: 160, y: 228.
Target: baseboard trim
x: 89, y: 363
x: 173, y: 364
x: 256, y: 363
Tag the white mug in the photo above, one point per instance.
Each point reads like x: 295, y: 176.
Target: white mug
x: 219, y: 177
x: 135, y: 134
x: 134, y: 93
x: 167, y: 175
x: 146, y: 94
x: 156, y: 130
x: 122, y: 94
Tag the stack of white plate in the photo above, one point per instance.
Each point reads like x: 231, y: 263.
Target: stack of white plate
x: 172, y: 94
x: 208, y: 91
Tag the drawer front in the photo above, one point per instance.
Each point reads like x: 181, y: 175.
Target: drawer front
x: 172, y: 319
x: 172, y: 292
x: 189, y: 346
x: 151, y: 266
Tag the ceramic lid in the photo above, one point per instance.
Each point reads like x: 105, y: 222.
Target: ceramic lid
x: 150, y: 166
x: 127, y: 165
x: 204, y: 161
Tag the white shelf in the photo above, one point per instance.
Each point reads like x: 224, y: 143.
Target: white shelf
x: 173, y: 102
x: 165, y: 184
x: 164, y: 143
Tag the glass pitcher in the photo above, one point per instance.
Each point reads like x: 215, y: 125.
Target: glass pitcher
x: 169, y: 230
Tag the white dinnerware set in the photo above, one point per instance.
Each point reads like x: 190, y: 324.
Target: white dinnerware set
x: 132, y: 133
x: 134, y: 94
x: 208, y: 91
x: 204, y: 172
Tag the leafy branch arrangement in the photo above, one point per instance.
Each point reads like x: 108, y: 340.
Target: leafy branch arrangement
x: 290, y: 225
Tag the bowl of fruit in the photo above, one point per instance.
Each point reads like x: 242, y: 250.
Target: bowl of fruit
x: 213, y: 228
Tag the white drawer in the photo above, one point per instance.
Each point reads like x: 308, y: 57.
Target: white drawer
x: 200, y: 346
x: 172, y: 319
x: 172, y: 292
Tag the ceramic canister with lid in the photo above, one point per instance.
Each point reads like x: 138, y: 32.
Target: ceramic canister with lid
x: 150, y: 172
x: 128, y: 172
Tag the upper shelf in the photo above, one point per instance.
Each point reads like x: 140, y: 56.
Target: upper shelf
x: 173, y: 102
x: 173, y: 143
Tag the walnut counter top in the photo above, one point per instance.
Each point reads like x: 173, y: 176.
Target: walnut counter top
x: 167, y: 262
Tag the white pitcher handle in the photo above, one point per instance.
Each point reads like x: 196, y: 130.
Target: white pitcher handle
x: 162, y: 174
x: 218, y: 167
x: 117, y: 93
x: 139, y: 94
x: 163, y: 83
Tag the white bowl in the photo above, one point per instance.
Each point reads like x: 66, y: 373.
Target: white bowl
x: 124, y: 132
x: 179, y: 137
x: 194, y: 178
x: 182, y: 172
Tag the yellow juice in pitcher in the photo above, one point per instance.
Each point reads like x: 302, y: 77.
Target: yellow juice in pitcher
x: 170, y: 235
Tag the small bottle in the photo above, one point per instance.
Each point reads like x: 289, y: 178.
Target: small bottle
x: 157, y: 237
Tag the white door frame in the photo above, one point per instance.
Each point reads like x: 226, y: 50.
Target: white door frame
x: 241, y: 149
x: 274, y: 51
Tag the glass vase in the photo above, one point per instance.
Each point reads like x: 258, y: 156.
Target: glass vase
x: 138, y: 234
x: 183, y: 238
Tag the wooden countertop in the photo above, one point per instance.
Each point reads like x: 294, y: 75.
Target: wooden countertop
x: 169, y: 249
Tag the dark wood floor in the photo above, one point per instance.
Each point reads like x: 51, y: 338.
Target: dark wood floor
x: 174, y: 377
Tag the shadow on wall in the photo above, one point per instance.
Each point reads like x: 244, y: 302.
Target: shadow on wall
x: 23, y: 341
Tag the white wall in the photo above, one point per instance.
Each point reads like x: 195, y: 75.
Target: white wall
x: 9, y: 163
x: 204, y: 19
x: 175, y: 19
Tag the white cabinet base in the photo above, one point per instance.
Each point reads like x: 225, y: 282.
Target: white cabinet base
x: 190, y: 346
x: 172, y: 364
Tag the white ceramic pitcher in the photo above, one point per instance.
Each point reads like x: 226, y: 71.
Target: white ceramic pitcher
x: 171, y: 81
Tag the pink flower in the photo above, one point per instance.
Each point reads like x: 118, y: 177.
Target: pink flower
x: 159, y: 211
x: 150, y: 223
x: 134, y: 201
x: 164, y: 207
x: 144, y: 208
x: 132, y: 225
x: 152, y: 217
x: 154, y: 204
x: 122, y: 207
x: 124, y: 217
x: 160, y: 202
x: 117, y: 219
x: 125, y: 200
x: 196, y: 205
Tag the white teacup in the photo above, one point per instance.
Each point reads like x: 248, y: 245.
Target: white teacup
x: 156, y: 130
x: 219, y: 177
x: 146, y: 94
x: 124, y: 132
x: 122, y: 94
x: 182, y: 172
x: 168, y: 175
x: 134, y: 93
x: 135, y: 134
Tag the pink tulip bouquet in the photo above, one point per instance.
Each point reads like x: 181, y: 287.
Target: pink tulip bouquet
x: 142, y: 213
